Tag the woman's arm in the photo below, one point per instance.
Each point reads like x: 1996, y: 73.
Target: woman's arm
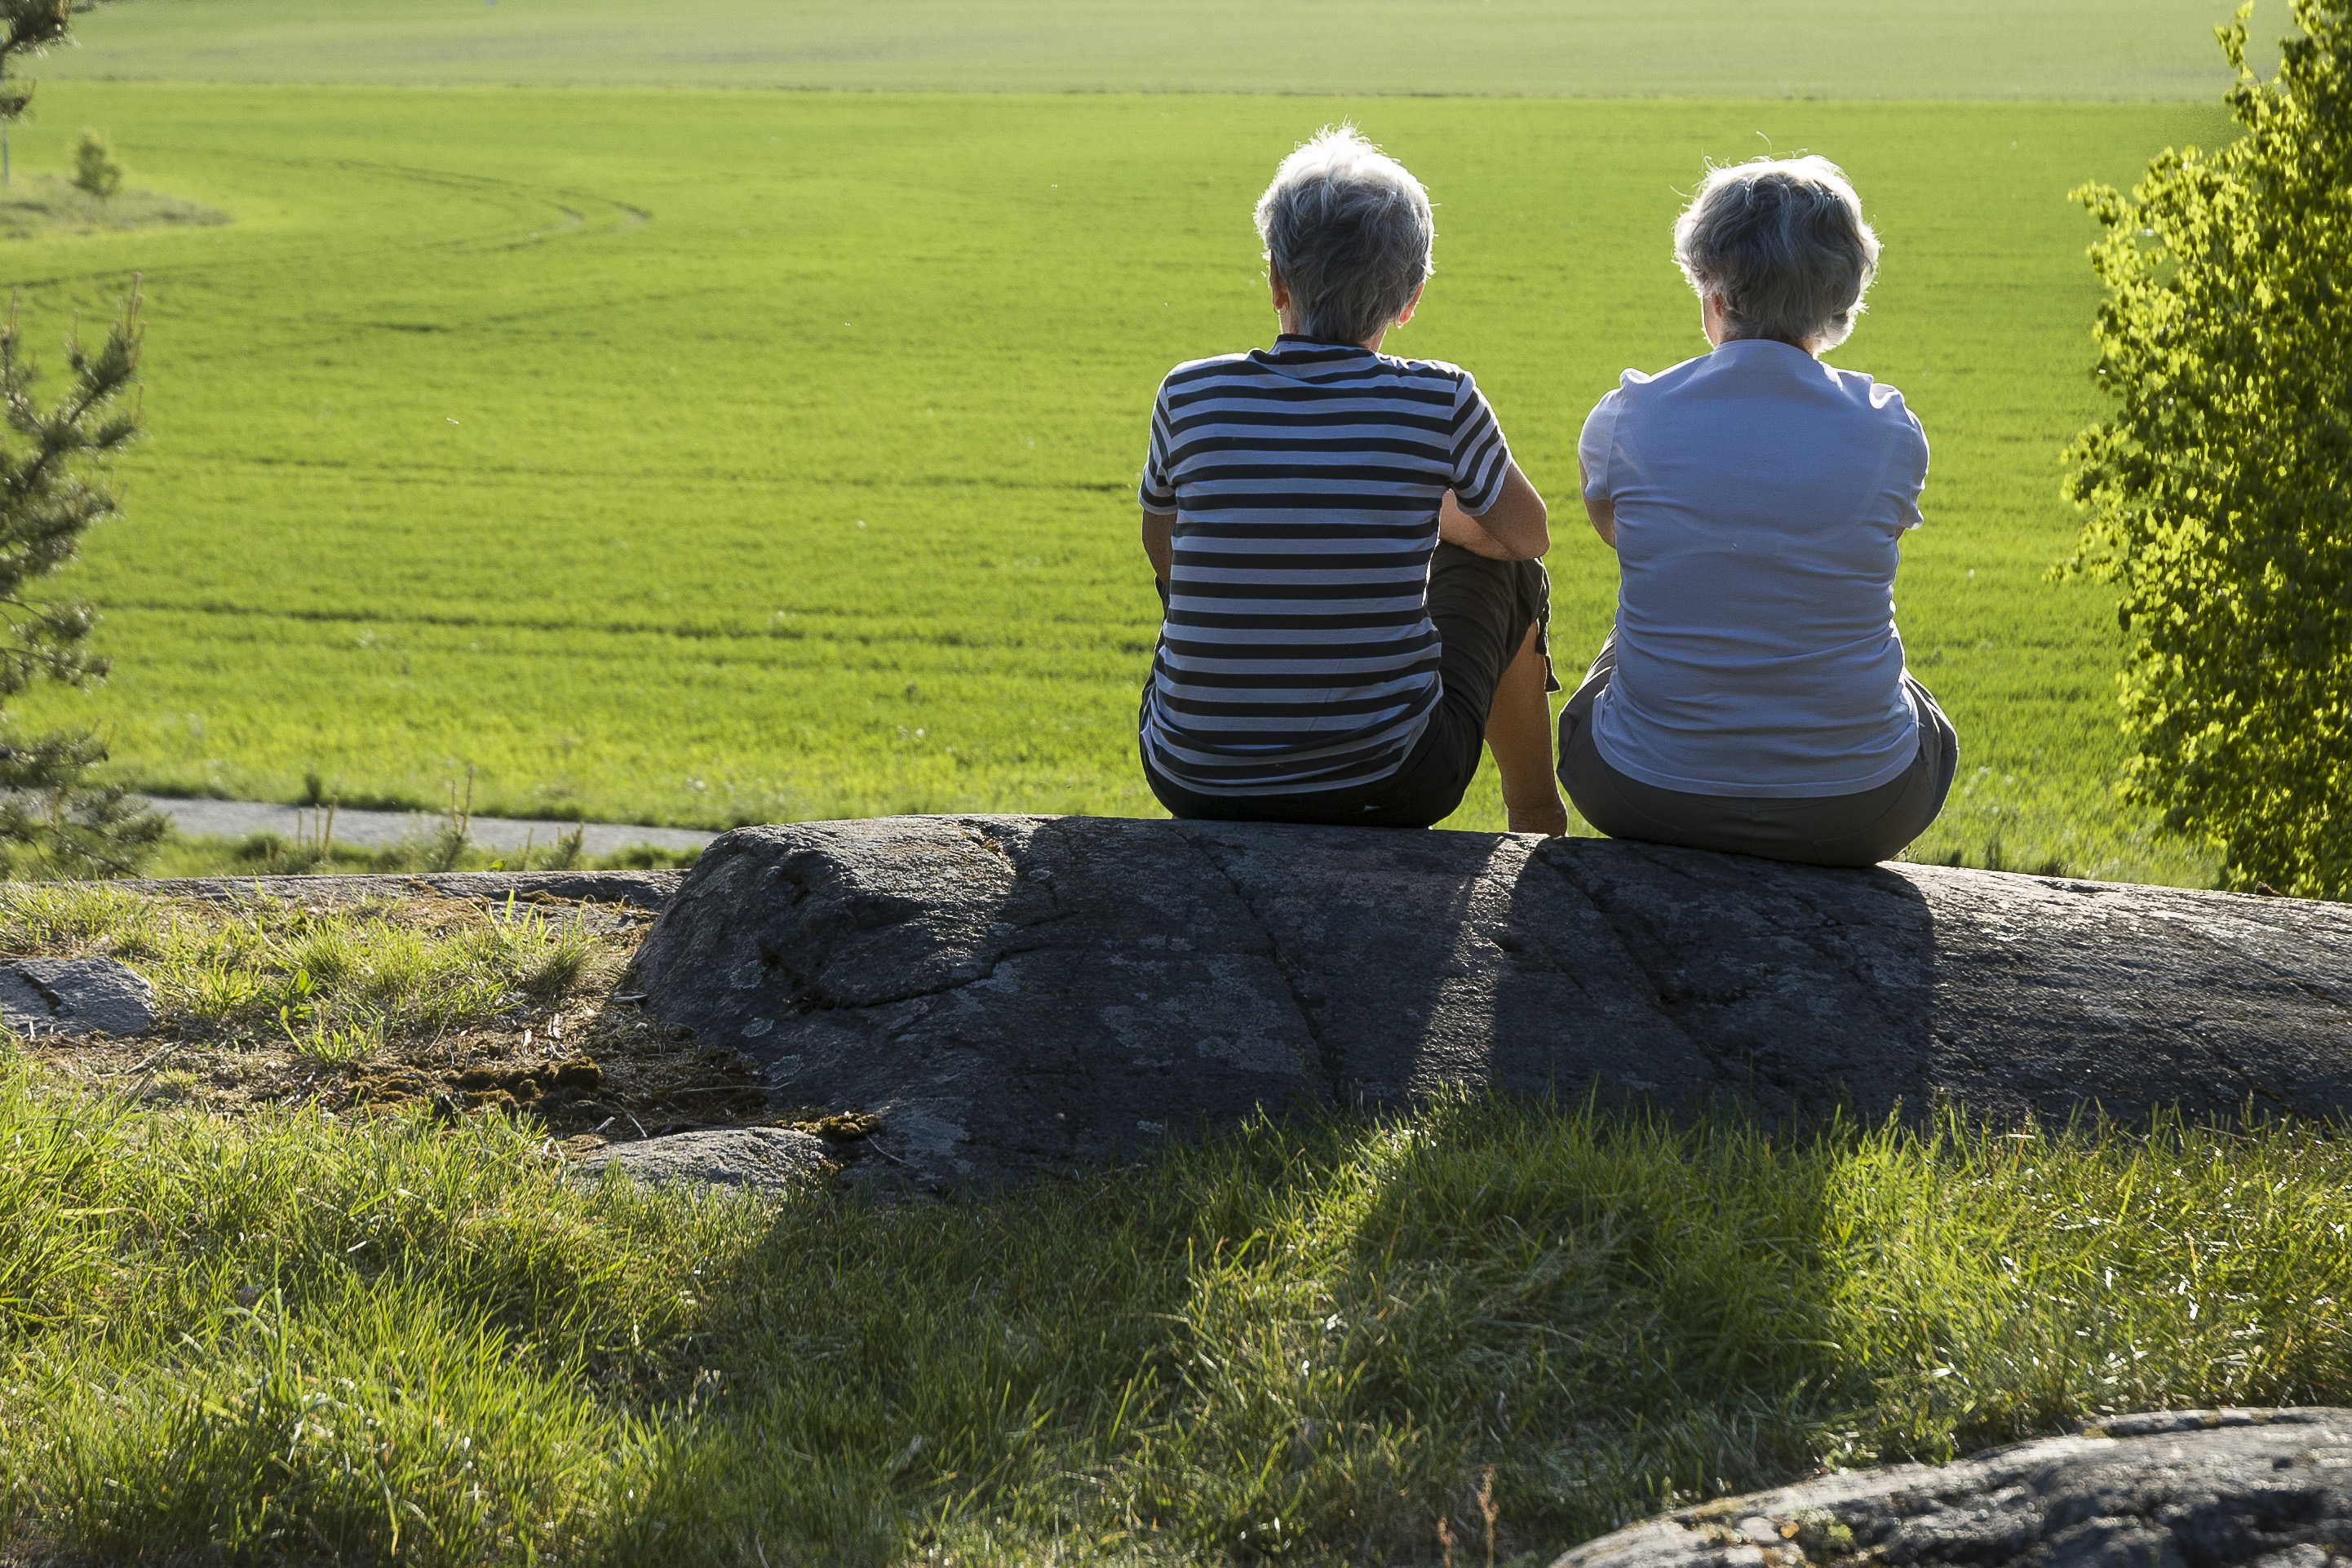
x: 1516, y: 528
x: 1602, y: 514
x: 1159, y: 542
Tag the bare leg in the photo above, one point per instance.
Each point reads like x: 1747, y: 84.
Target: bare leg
x: 1519, y: 732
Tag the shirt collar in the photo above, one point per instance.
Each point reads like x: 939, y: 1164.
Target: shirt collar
x: 1290, y: 344
x: 1312, y: 358
x: 1761, y: 348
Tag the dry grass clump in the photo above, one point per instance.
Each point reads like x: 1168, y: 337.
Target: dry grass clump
x: 40, y: 205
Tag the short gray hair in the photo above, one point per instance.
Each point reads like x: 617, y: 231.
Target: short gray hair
x: 1349, y: 230
x: 1783, y: 242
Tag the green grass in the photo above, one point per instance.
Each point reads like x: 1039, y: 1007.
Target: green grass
x: 292, y: 1338
x: 274, y: 854
x: 288, y: 972
x: 704, y: 457
x: 1685, y: 48
x: 296, y: 1335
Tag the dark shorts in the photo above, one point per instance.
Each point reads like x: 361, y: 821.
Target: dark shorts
x: 1858, y: 829
x: 1482, y: 609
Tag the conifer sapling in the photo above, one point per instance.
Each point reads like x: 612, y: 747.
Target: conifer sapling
x: 26, y: 27
x: 96, y: 168
x: 55, y: 816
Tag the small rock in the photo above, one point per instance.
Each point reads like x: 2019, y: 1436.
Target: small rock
x: 74, y: 997
x: 763, y: 1159
x: 2221, y: 1489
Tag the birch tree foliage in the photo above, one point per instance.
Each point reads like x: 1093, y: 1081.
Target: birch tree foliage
x: 2218, y: 493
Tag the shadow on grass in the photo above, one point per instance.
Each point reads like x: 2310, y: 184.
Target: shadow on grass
x: 1304, y: 1341
x: 1284, y: 1342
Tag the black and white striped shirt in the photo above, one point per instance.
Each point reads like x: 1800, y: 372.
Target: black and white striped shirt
x: 1298, y: 654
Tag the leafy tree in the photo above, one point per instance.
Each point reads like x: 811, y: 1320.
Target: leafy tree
x: 2219, y: 492
x: 96, y: 168
x: 55, y: 819
x: 28, y: 27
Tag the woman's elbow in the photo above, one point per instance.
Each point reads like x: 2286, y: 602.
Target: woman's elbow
x: 1538, y: 532
x: 1602, y: 515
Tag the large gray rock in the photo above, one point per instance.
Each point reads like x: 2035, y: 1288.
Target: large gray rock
x: 74, y: 997
x: 2181, y: 1490
x: 1013, y: 995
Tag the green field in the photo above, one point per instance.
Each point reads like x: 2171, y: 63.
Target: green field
x: 706, y: 456
x: 1544, y: 48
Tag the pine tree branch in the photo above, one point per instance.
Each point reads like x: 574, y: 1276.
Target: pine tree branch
x: 26, y: 27
x: 52, y: 807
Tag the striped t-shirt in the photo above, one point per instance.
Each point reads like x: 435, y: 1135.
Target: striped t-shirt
x: 1298, y: 654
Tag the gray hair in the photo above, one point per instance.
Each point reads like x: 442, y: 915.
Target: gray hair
x: 1783, y: 242
x: 1349, y: 230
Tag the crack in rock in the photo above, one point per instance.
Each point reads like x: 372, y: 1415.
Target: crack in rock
x: 1335, y: 1083
x: 1637, y: 953
x: 808, y: 996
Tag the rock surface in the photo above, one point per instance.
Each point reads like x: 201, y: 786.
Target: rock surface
x: 765, y: 1159
x: 2180, y: 1490
x: 74, y: 997
x: 1019, y: 994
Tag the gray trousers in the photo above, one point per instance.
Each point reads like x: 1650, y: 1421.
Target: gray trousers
x: 1858, y: 829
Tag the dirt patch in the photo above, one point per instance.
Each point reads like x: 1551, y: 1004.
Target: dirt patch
x: 579, y: 1065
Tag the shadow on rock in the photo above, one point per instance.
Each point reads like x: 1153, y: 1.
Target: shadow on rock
x: 1016, y: 996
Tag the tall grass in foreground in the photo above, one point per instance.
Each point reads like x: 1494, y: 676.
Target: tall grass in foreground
x: 289, y: 1338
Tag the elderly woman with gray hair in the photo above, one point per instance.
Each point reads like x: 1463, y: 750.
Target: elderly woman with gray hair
x: 1348, y: 554
x: 1753, y: 697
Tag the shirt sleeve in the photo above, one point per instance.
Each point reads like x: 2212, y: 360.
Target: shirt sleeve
x: 1481, y: 456
x: 1914, y: 482
x: 1906, y: 458
x: 1597, y: 441
x: 1157, y: 492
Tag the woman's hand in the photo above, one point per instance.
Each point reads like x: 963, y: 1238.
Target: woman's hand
x: 1457, y: 527
x: 1513, y: 528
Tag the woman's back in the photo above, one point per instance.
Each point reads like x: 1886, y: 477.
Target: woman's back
x: 1759, y: 495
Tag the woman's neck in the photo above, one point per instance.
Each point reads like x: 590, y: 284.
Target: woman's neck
x: 1289, y: 320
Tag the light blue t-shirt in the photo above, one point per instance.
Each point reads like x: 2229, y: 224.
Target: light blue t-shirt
x: 1759, y: 494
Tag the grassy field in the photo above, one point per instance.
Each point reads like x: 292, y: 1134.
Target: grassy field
x: 1548, y: 48
x: 305, y: 1333
x: 700, y: 457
